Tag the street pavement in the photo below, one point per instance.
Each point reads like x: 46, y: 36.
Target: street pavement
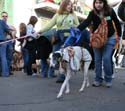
x: 26, y: 93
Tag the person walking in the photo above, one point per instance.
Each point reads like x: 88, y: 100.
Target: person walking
x: 103, y: 55
x: 64, y: 19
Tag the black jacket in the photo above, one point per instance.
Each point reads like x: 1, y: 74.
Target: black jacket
x: 95, y: 20
x: 121, y: 11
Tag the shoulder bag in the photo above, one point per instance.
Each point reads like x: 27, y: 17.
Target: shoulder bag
x: 116, y: 34
x: 98, y: 38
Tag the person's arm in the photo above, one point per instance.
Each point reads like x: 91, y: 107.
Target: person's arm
x: 49, y: 25
x: 86, y: 22
x: 29, y: 29
x: 13, y: 31
x: 5, y: 26
x: 7, y: 29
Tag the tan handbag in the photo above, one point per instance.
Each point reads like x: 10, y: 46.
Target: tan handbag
x: 99, y: 37
x: 117, y: 37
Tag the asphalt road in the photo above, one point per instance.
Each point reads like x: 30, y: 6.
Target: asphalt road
x: 23, y: 93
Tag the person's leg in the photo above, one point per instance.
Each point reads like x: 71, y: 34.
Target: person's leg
x: 61, y: 77
x: 10, y: 51
x: 98, y: 66
x: 107, y: 62
x: 32, y: 56
x: 107, y: 59
x: 44, y: 67
x: 51, y: 70
x: 25, y: 56
x: 0, y: 67
x: 113, y: 63
x: 4, y: 64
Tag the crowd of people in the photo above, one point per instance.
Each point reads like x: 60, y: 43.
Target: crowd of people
x: 35, y: 45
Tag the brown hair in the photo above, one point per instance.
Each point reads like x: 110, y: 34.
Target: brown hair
x: 33, y: 20
x: 107, y: 8
x: 22, y: 28
x: 4, y: 13
x: 63, y: 6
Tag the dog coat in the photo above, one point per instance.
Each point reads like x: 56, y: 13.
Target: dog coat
x: 76, y: 58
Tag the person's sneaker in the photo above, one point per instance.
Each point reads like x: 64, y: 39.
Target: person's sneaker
x: 113, y: 76
x: 52, y: 76
x: 34, y: 74
x: 43, y: 76
x: 108, y: 84
x: 96, y: 84
x: 11, y: 73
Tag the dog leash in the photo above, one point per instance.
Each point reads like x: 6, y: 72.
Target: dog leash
x: 14, y: 39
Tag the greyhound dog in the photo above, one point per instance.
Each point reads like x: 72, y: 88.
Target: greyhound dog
x: 68, y: 61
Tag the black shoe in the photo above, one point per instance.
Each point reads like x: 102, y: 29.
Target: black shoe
x: 11, y: 73
x: 59, y: 81
x: 29, y: 74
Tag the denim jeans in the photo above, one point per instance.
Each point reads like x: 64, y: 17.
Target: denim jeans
x: 10, y: 51
x: 56, y: 47
x: 51, y: 72
x: 0, y: 67
x: 25, y: 56
x: 3, y: 57
x: 44, y: 67
x: 103, y: 57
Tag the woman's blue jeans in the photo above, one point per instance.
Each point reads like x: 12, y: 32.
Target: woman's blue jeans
x: 10, y: 51
x: 103, y: 57
x: 25, y: 56
x: 44, y: 67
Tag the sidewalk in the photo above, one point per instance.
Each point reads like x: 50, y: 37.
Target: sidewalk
x: 23, y: 93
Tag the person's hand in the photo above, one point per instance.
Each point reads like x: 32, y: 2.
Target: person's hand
x: 35, y: 35
x: 39, y: 32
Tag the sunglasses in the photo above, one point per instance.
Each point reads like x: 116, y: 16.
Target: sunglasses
x: 4, y: 16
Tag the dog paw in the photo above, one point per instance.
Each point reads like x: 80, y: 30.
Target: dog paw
x: 59, y: 96
x: 67, y: 91
x: 87, y: 85
x: 81, y: 90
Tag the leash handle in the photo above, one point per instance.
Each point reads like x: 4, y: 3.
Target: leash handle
x: 74, y: 33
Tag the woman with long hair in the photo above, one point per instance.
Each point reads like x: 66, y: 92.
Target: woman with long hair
x: 31, y: 44
x: 64, y: 19
x: 102, y: 55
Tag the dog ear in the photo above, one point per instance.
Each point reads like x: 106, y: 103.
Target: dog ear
x: 56, y: 55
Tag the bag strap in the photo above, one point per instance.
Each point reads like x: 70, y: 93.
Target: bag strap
x: 116, y: 32
x: 101, y: 24
x: 63, y: 19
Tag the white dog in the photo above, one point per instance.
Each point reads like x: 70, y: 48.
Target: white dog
x: 69, y: 61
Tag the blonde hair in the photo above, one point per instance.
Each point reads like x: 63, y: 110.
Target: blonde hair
x: 63, y: 6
